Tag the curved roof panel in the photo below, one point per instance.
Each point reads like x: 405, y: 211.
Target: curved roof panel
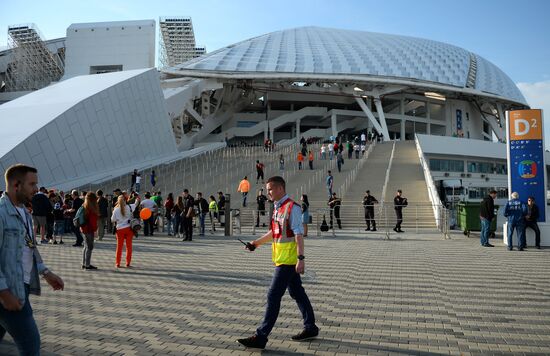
x: 315, y: 50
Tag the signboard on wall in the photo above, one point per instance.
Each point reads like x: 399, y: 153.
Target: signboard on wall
x: 525, y: 150
x: 459, y: 131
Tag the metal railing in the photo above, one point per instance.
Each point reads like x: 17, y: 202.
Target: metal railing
x: 417, y: 218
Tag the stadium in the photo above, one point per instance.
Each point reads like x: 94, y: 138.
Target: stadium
x: 439, y: 111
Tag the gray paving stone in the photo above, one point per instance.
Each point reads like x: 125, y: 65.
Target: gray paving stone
x: 419, y: 295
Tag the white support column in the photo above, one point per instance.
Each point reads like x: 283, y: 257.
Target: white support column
x: 381, y: 116
x: 403, y: 130
x: 499, y: 132
x: 195, y: 114
x: 298, y: 133
x: 372, y: 119
x: 266, y: 133
x: 333, y: 121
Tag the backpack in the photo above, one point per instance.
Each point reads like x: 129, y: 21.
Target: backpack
x: 80, y: 217
x: 324, y: 225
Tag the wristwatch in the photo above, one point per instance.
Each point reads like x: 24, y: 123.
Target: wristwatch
x: 301, y: 257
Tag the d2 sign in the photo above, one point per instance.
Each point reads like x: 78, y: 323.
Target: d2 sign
x: 525, y: 125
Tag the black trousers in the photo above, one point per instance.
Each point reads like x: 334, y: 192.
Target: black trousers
x: 369, y: 218
x: 399, y: 215
x: 336, y: 213
x: 148, y: 226
x: 188, y: 228
x: 260, y: 176
x: 533, y: 225
x: 79, y: 238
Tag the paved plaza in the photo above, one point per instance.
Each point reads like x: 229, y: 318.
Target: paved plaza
x: 417, y: 294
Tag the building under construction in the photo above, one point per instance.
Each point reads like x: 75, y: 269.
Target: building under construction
x: 32, y: 62
x: 177, y: 41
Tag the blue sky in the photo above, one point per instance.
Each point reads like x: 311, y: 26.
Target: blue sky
x: 511, y: 34
x: 514, y: 35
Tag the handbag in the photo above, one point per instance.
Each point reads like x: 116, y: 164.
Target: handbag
x: 324, y: 225
x: 135, y: 224
x: 310, y: 220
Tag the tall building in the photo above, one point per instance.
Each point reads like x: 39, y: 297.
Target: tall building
x: 177, y: 41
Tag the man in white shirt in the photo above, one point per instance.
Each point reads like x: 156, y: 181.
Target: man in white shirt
x: 149, y: 223
x: 331, y: 150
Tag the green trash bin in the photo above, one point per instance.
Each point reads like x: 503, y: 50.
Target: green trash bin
x: 468, y: 218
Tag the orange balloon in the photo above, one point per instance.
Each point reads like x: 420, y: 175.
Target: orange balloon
x: 145, y: 213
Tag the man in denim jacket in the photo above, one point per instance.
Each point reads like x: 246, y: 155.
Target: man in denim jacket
x: 20, y: 261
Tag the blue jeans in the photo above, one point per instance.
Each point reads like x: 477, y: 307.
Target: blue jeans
x: 485, y: 227
x: 245, y: 194
x: 329, y: 190
x: 170, y: 225
x: 520, y: 229
x: 22, y: 328
x: 202, y: 217
x: 285, y: 277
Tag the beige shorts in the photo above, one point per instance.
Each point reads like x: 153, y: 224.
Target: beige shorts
x: 39, y: 221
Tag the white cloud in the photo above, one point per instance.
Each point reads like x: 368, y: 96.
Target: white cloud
x: 538, y: 97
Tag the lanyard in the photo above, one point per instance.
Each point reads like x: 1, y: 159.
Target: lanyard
x: 28, y: 239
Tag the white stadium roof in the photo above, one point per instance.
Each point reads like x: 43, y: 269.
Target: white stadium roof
x: 317, y: 53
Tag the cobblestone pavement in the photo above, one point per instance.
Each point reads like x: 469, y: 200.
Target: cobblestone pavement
x: 416, y: 295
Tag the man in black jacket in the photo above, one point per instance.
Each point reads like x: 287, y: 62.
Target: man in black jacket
x: 187, y: 215
x: 202, y: 208
x: 399, y: 202
x: 531, y: 219
x: 41, y: 208
x: 486, y: 215
x: 368, y: 204
x: 77, y: 203
x: 103, y: 205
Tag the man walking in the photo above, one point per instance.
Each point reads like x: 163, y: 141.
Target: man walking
x: 20, y: 261
x: 203, y: 209
x: 187, y: 215
x: 244, y: 188
x: 286, y: 233
x: 399, y: 202
x: 334, y: 204
x: 148, y: 224
x: 103, y: 206
x: 531, y: 219
x: 77, y: 203
x: 516, y: 211
x: 221, y: 208
x: 41, y: 208
x: 260, y: 171
x: 368, y: 204
x: 329, y: 181
x: 486, y: 216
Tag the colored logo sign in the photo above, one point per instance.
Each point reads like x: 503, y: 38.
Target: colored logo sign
x: 525, y: 125
x: 527, y: 169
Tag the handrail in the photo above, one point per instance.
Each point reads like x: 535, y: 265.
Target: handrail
x: 387, y: 179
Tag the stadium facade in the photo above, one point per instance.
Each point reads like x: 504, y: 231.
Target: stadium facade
x: 302, y: 82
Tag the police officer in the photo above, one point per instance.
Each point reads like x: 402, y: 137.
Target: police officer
x: 399, y: 202
x: 516, y: 211
x: 368, y: 204
x: 286, y: 233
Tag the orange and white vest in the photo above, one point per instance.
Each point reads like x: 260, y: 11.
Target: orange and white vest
x: 284, y: 245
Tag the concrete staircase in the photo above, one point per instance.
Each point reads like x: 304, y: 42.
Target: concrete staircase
x: 406, y: 174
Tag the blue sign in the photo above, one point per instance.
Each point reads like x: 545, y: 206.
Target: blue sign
x: 526, y: 168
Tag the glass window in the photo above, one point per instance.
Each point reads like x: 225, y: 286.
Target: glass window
x: 437, y: 112
x: 446, y: 165
x: 415, y: 108
x: 480, y: 167
x: 481, y: 192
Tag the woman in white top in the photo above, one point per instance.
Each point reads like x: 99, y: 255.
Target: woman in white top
x: 323, y: 151
x: 122, y: 217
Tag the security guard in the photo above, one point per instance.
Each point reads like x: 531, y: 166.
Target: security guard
x: 286, y: 233
x: 368, y: 204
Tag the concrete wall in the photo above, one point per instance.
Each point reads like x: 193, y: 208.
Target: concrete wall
x: 123, y: 124
x: 127, y: 43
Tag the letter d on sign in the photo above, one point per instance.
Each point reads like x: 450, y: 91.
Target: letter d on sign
x: 521, y: 127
